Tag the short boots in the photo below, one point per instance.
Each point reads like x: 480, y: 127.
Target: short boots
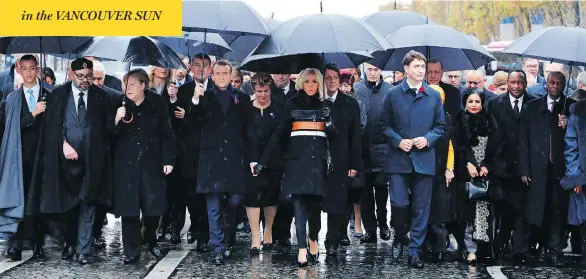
x: 400, y: 224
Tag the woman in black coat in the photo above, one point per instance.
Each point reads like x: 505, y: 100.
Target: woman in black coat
x: 144, y: 155
x: 262, y: 191
x: 478, y: 146
x: 303, y: 125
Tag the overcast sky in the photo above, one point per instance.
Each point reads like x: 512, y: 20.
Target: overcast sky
x: 288, y: 9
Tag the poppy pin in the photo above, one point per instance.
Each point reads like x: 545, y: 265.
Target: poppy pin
x: 421, y: 90
x: 236, y: 100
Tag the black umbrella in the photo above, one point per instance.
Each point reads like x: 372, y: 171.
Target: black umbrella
x: 387, y: 22
x: 242, y: 46
x: 139, y: 50
x: 312, y: 41
x: 454, y: 49
x: 193, y: 43
x: 226, y: 17
x: 58, y: 45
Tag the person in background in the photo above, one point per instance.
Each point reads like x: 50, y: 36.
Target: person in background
x: 389, y: 79
x: 346, y: 82
x: 453, y: 78
x: 49, y: 76
x: 499, y: 82
x: 237, y: 79
x: 531, y: 67
x: 355, y: 72
x: 246, y: 76
x: 579, y: 94
x: 294, y: 77
x: 398, y: 76
x: 540, y: 89
x: 110, y: 81
x: 181, y: 77
x: 477, y: 79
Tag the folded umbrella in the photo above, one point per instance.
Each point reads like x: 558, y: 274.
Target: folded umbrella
x: 138, y: 50
x: 314, y: 40
x: 455, y: 50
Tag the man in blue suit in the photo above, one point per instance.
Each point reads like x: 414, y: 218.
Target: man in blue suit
x: 412, y: 120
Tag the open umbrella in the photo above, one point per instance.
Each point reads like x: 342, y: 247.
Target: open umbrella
x: 312, y: 41
x: 193, y: 42
x: 242, y: 46
x: 60, y: 45
x: 454, y: 49
x: 226, y: 17
x: 138, y: 50
x: 387, y: 22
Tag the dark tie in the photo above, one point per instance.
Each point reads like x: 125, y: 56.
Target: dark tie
x: 516, y: 108
x: 550, y: 139
x: 81, y: 111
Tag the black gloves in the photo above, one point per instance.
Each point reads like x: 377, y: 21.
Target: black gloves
x: 258, y: 168
x: 325, y: 113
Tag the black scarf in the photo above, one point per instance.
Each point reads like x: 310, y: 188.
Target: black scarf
x: 475, y: 125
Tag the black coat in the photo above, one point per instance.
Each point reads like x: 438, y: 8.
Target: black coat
x: 51, y: 192
x: 278, y: 95
x: 538, y: 125
x: 305, y: 158
x: 501, y: 109
x: 442, y: 209
x: 346, y: 151
x: 494, y: 160
x: 143, y: 147
x: 222, y: 164
x: 113, y: 82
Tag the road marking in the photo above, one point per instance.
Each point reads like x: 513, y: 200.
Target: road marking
x: 7, y: 264
x: 165, y: 267
x: 495, y: 272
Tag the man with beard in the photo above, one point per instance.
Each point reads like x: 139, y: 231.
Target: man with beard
x: 74, y: 169
x: 22, y: 115
x: 541, y: 145
x: 371, y: 92
x: 510, y: 208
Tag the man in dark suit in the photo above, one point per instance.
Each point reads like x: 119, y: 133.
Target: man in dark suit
x: 542, y: 164
x: 222, y: 113
x: 507, y: 109
x: 441, y: 215
x: 31, y: 110
x: 345, y: 148
x: 412, y: 120
x: 477, y: 79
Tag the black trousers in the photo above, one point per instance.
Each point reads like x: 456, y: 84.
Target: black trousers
x: 198, y: 211
x: 37, y: 225
x: 552, y: 232
x: 131, y: 234
x: 510, y: 215
x: 376, y: 201
x: 78, y: 227
x: 282, y: 223
x: 176, y: 201
x: 337, y: 229
x: 101, y: 212
x: 307, y: 211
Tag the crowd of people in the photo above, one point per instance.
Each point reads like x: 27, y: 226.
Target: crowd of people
x: 499, y: 171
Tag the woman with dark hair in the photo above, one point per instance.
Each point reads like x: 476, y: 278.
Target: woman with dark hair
x: 478, y: 147
x: 49, y: 76
x: 303, y: 127
x: 144, y: 155
x: 262, y: 190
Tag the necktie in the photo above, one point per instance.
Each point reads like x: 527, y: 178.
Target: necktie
x: 81, y: 110
x: 31, y: 100
x: 330, y: 99
x: 516, y: 108
x: 550, y: 139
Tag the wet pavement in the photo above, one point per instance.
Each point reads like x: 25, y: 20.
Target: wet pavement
x: 355, y: 261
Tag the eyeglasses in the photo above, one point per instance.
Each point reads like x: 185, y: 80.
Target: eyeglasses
x: 82, y: 77
x: 532, y: 66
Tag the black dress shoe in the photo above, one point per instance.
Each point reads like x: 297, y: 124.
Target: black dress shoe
x: 131, y: 260
x: 553, y: 259
x: 190, y: 237
x: 345, y: 241
x: 14, y: 253
x: 228, y: 252
x: 368, y: 237
x: 156, y: 251
x: 202, y: 247
x: 99, y: 243
x: 161, y: 234
x: 67, y: 253
x: 175, y: 238
x: 385, y: 233
x: 38, y: 252
x: 438, y: 257
x: 415, y: 262
x: 218, y: 259
x: 396, y: 250
x: 254, y: 251
x: 83, y: 259
x: 331, y: 251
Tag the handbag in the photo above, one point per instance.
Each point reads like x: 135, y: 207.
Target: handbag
x: 477, y: 189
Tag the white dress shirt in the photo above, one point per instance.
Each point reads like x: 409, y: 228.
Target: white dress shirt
x: 76, y: 92
x: 181, y: 82
x: 512, y: 100
x: 286, y: 88
x: 333, y: 97
x: 415, y: 86
x: 36, y: 91
x: 550, y: 100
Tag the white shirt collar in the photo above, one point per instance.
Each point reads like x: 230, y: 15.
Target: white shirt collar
x: 333, y: 97
x: 76, y: 90
x: 415, y: 86
x: 35, y: 88
x: 286, y: 87
x: 181, y: 82
x: 512, y: 100
x: 550, y: 100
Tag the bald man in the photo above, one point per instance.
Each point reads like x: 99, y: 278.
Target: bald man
x: 477, y: 79
x: 539, y: 89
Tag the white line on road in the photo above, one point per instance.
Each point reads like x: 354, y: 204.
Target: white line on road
x: 495, y: 272
x: 8, y: 264
x: 165, y: 267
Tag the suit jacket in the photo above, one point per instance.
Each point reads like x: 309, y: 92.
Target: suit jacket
x: 113, y: 82
x: 278, y: 96
x: 9, y: 87
x: 408, y: 115
x: 500, y: 107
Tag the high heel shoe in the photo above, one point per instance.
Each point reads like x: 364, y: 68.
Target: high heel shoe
x: 471, y: 262
x: 314, y: 258
x: 303, y: 264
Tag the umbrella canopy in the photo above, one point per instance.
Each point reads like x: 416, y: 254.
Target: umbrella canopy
x: 557, y: 44
x: 342, y: 40
x: 193, y: 43
x: 454, y: 49
x: 10, y: 45
x: 387, y: 22
x: 227, y: 17
x: 138, y: 50
x: 242, y: 46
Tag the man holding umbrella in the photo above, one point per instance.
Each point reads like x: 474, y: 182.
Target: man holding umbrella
x: 74, y: 169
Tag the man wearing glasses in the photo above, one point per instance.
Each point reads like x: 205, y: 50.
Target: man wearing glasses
x: 477, y: 79
x: 73, y: 172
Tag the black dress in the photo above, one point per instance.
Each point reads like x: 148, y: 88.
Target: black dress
x: 263, y: 190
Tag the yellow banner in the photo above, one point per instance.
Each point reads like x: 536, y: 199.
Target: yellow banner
x: 90, y: 18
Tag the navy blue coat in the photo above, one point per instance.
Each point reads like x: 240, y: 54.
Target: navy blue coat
x: 408, y: 115
x: 575, y: 153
